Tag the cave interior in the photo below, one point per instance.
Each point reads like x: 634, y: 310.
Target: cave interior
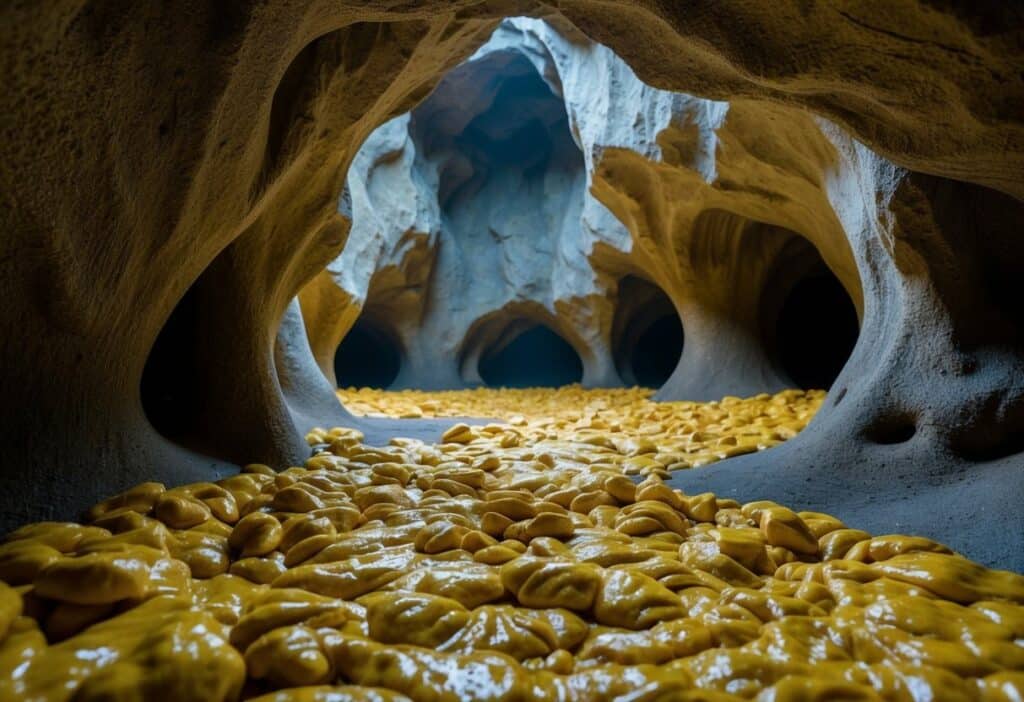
x: 446, y: 319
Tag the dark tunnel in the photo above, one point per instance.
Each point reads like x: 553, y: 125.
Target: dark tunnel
x: 536, y: 357
x: 367, y: 357
x: 815, y: 330
x: 647, y: 334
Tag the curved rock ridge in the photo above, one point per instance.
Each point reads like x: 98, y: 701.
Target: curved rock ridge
x: 172, y: 198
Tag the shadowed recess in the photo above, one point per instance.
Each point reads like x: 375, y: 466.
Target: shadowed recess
x: 169, y: 387
x: 816, y: 330
x: 367, y: 357
x: 647, y: 334
x: 657, y: 351
x: 537, y: 357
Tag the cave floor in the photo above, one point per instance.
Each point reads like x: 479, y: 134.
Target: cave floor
x: 540, y: 556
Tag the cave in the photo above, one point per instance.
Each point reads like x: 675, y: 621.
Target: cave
x: 603, y: 351
x: 367, y: 357
x: 657, y: 350
x: 647, y: 333
x: 816, y: 330
x: 168, y: 386
x: 809, y: 320
x: 533, y: 357
x: 460, y: 209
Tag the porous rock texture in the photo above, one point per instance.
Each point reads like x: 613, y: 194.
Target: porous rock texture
x: 177, y: 167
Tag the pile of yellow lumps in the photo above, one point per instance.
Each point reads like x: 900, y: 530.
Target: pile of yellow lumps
x: 509, y: 561
x: 644, y: 436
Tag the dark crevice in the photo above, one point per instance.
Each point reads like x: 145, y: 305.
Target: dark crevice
x: 368, y: 357
x: 809, y: 322
x: 647, y: 334
x: 535, y: 357
x: 906, y: 37
x: 995, y: 430
x: 897, y: 428
x: 817, y: 330
x: 170, y: 389
x: 657, y: 351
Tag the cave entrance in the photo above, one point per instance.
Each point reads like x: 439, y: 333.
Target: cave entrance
x: 815, y: 326
x: 533, y: 357
x: 368, y: 357
x: 170, y: 388
x: 647, y: 334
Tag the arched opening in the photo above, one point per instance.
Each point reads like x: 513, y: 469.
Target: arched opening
x: 170, y: 380
x: 647, y: 334
x: 813, y: 327
x: 817, y: 330
x: 657, y: 351
x: 497, y: 134
x: 534, y: 357
x: 367, y: 357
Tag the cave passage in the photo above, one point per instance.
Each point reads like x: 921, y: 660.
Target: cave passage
x: 647, y: 334
x: 537, y: 357
x: 190, y: 508
x: 367, y: 357
x: 507, y: 155
x: 170, y: 387
x: 657, y: 350
x: 816, y: 330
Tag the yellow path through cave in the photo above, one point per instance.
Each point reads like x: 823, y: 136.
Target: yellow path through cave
x: 512, y: 561
x: 645, y: 436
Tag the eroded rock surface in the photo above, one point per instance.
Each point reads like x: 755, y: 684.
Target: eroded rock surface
x: 180, y: 188
x: 472, y: 243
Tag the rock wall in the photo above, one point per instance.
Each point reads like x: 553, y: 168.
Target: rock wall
x: 172, y: 197
x: 506, y: 241
x: 468, y: 223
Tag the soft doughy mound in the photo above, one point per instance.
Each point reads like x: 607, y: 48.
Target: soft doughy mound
x: 512, y: 561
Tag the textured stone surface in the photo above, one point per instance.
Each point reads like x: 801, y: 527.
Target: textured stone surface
x: 470, y: 240
x: 469, y: 221
x: 202, y: 150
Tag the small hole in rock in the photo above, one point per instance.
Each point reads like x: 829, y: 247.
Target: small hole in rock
x: 892, y: 430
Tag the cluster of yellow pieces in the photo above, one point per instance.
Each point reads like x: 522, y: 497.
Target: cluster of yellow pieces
x: 504, y: 563
x: 654, y: 436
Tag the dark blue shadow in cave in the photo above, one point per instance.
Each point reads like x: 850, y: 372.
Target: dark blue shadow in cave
x: 538, y: 357
x: 366, y: 358
x: 657, y: 351
x: 521, y: 126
